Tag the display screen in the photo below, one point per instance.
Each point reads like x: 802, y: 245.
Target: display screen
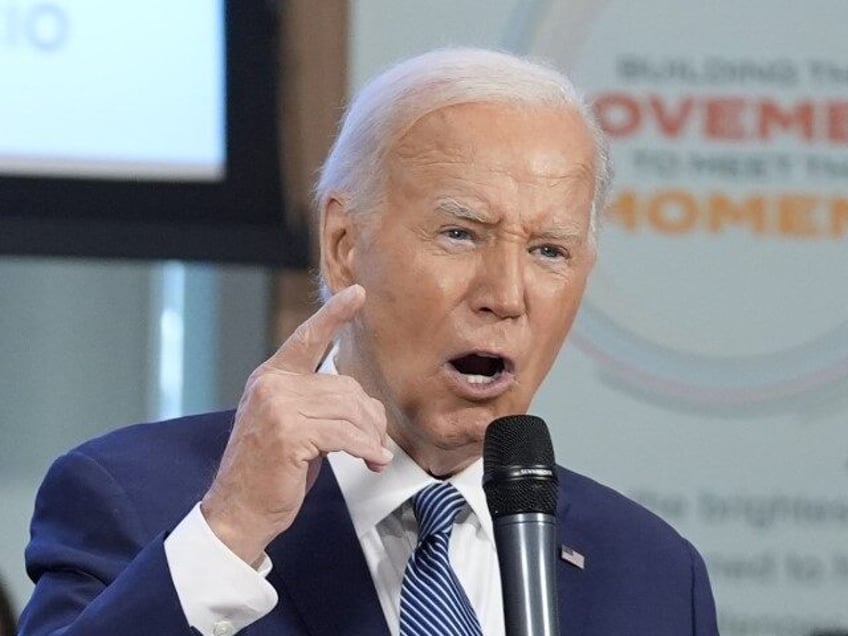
x: 113, y: 89
x: 142, y: 130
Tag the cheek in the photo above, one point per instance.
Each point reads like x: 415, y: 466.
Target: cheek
x: 424, y: 285
x: 402, y: 304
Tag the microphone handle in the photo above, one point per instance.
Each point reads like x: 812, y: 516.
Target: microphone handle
x: 526, y: 546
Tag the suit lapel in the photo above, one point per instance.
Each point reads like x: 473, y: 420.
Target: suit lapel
x: 572, y: 582
x: 319, y: 565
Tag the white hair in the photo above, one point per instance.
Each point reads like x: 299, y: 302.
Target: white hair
x: 391, y: 103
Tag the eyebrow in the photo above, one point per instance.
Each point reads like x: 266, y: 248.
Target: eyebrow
x: 569, y: 235
x: 453, y: 208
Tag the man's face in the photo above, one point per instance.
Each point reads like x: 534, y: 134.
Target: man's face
x: 473, y: 270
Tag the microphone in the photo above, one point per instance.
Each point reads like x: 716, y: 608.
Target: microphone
x: 520, y: 482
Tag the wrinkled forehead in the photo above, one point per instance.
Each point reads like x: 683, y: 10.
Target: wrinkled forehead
x: 551, y: 142
x: 504, y: 150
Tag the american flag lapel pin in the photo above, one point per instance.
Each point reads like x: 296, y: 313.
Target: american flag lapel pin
x: 572, y: 556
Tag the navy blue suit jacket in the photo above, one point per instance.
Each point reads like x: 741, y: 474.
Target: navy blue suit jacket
x: 104, y: 509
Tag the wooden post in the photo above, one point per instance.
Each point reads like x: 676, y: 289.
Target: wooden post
x: 313, y: 70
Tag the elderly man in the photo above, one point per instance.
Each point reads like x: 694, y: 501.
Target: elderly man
x: 457, y: 224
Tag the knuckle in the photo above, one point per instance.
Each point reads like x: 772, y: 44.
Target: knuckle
x: 263, y: 388
x: 353, y: 437
x: 348, y: 384
x: 255, y: 375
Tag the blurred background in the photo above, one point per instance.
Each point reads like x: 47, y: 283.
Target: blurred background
x: 155, y: 172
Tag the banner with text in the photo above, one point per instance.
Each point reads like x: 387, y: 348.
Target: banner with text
x: 716, y: 323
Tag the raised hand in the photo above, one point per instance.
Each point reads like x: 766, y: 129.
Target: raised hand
x: 288, y: 418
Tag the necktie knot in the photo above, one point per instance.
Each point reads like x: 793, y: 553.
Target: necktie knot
x: 436, y: 508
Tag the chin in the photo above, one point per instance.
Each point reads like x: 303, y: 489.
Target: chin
x: 445, y: 443
x: 464, y: 428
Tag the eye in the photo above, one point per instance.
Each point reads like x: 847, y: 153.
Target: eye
x: 552, y: 252
x: 458, y: 234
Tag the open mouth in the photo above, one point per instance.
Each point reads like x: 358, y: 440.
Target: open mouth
x: 479, y: 368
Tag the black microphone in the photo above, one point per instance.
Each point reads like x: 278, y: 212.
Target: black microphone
x: 520, y: 481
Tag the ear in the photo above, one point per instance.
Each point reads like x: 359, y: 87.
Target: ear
x: 338, y: 245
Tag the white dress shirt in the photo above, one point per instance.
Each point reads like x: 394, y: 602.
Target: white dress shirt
x: 387, y: 531
x: 221, y: 594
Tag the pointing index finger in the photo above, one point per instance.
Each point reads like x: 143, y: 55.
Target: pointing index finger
x: 304, y: 349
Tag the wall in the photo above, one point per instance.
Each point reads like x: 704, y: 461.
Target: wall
x: 79, y: 356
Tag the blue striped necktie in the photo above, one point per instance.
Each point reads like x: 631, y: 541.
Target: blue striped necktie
x: 432, y: 601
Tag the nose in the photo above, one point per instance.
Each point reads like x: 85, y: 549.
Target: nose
x: 499, y: 285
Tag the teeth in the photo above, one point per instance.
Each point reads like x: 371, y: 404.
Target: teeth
x: 479, y: 379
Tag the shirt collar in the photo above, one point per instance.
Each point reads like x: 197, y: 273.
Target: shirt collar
x: 371, y: 497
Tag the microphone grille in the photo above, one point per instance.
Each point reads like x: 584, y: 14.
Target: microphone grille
x: 519, y: 471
